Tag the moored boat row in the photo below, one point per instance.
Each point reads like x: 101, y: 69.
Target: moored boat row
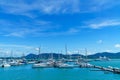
x: 11, y: 62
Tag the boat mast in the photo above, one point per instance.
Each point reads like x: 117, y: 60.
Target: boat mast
x: 59, y: 55
x: 52, y: 55
x: 86, y: 54
x: 11, y: 54
x: 23, y: 56
x: 66, y: 51
x: 39, y: 52
x: 78, y: 54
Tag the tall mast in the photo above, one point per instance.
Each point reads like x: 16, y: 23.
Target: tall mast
x: 58, y: 55
x: 52, y: 55
x: 66, y: 51
x: 23, y: 56
x: 78, y: 54
x: 61, y: 55
x: 39, y: 52
x: 86, y: 54
x: 11, y: 54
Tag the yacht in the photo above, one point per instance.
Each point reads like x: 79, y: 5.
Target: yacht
x: 44, y: 64
x: 63, y: 65
x: 104, y: 58
x: 5, y: 64
x: 40, y: 65
x: 14, y: 63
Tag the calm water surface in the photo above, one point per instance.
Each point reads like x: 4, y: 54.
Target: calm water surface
x: 26, y: 72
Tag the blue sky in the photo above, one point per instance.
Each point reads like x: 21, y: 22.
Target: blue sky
x: 28, y: 24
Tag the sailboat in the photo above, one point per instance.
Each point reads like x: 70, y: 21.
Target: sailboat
x: 83, y: 62
x: 39, y: 64
x: 5, y: 63
x: 44, y: 64
x: 62, y: 64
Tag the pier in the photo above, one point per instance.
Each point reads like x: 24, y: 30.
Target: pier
x: 109, y: 69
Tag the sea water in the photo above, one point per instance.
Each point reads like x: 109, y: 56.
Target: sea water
x: 26, y: 72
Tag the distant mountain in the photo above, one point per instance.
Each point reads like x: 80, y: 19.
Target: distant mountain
x: 50, y: 55
x: 58, y: 55
x: 107, y: 54
x: 31, y: 56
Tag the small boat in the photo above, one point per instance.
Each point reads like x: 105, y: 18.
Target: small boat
x: 5, y: 64
x: 46, y: 64
x: 64, y: 65
x: 85, y: 65
x: 40, y: 65
x: 104, y: 58
x: 31, y: 61
x: 14, y: 63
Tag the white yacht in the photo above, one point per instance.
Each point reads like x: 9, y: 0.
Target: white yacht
x: 64, y: 65
x: 40, y: 65
x: 104, y: 58
x: 14, y: 63
x: 5, y: 64
x: 46, y: 64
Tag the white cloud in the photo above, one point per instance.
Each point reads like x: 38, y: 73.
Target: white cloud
x: 37, y: 49
x: 33, y: 28
x: 20, y: 32
x: 38, y: 7
x: 18, y: 50
x: 76, y: 52
x: 98, y: 5
x: 117, y: 45
x: 24, y: 28
x: 73, y: 30
x: 108, y: 50
x: 105, y: 23
x: 100, y: 41
x: 23, y: 7
x: 69, y: 52
x: 17, y: 46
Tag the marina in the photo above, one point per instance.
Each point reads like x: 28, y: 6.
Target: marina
x: 25, y: 71
x: 52, y: 63
x: 59, y: 40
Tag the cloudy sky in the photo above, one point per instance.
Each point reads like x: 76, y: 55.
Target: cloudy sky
x: 28, y: 24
